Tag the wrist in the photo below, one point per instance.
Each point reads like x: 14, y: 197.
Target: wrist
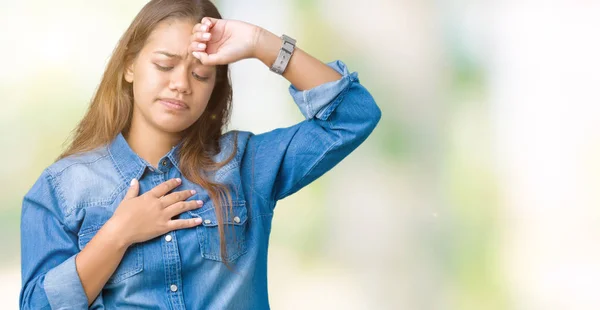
x: 267, y: 47
x: 114, y: 233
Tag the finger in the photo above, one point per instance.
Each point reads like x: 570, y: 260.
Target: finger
x: 209, y: 60
x: 202, y: 28
x: 165, y: 187
x: 182, y: 206
x: 201, y: 36
x: 134, y: 189
x: 197, y: 47
x: 182, y: 224
x: 175, y: 197
x: 209, y: 21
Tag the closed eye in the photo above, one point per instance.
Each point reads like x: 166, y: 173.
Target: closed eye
x: 197, y: 77
x: 161, y: 68
x: 200, y: 78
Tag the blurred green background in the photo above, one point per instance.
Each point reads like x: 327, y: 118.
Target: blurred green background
x: 478, y: 190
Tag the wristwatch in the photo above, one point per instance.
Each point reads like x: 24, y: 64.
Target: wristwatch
x: 285, y: 53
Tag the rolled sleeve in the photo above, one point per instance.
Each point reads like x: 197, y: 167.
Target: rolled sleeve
x: 319, y: 102
x: 63, y: 287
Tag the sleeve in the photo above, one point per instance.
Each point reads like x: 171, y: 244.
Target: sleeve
x: 339, y: 116
x: 48, y: 249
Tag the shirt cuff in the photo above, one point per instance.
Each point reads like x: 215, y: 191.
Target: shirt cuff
x: 63, y: 287
x: 319, y: 102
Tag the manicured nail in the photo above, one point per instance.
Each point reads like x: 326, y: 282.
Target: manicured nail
x: 206, y: 35
x: 133, y: 181
x: 200, y: 202
x: 204, y: 27
x: 193, y: 192
x: 198, y: 220
x: 178, y: 180
x: 201, y: 45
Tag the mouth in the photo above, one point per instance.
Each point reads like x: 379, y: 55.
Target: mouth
x: 173, y: 104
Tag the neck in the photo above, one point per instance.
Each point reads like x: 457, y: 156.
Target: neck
x: 149, y: 142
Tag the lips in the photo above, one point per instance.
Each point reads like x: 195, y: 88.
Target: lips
x: 173, y: 103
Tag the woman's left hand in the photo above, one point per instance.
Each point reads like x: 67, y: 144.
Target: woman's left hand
x: 219, y: 41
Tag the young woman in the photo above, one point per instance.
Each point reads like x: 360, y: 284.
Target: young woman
x: 152, y: 205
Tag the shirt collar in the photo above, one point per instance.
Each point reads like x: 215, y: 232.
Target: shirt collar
x: 130, y: 165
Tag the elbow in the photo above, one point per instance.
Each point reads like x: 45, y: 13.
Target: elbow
x: 370, y: 117
x: 375, y: 116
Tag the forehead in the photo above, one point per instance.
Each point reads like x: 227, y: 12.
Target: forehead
x: 171, y: 35
x: 172, y: 30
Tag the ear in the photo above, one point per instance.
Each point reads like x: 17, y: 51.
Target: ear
x: 128, y: 74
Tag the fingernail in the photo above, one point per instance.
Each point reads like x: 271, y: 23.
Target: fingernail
x: 133, y: 181
x: 198, y: 220
x: 193, y: 192
x: 204, y: 27
x: 200, y: 202
x: 206, y: 35
x: 178, y: 180
x: 201, y: 45
x: 196, y: 54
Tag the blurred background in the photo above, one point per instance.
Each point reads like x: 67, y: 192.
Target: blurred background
x: 478, y: 189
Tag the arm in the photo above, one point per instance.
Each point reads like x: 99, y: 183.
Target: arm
x: 99, y: 259
x: 303, y: 70
x: 340, y: 113
x: 48, y: 251
x: 55, y: 274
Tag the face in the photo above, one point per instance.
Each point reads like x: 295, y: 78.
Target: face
x: 171, y: 88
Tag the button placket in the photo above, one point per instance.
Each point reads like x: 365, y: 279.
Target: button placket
x: 171, y: 256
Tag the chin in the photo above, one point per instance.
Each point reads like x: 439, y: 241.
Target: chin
x: 172, y: 127
x: 172, y: 124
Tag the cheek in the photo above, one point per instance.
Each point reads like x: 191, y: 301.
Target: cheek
x: 201, y: 98
x: 148, y: 83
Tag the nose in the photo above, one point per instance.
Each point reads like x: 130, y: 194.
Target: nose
x: 180, y: 80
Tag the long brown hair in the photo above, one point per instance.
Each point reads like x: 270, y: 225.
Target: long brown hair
x: 111, y: 107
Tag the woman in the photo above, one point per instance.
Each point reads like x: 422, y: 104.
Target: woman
x: 151, y: 205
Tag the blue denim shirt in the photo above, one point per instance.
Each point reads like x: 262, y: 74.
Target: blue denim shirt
x: 183, y: 269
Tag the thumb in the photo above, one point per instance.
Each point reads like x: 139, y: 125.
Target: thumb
x: 210, y: 60
x: 134, y: 189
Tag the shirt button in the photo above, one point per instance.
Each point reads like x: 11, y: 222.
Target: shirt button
x: 164, y: 163
x: 173, y: 288
x: 236, y: 219
x: 168, y: 238
x: 206, y: 221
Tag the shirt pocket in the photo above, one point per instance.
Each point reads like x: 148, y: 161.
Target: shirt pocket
x: 236, y: 225
x: 131, y: 264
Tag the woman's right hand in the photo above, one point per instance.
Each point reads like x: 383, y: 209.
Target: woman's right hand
x: 140, y: 218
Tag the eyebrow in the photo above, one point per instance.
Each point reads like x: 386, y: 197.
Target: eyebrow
x: 171, y: 55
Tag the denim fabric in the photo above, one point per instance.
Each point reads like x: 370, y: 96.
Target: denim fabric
x: 76, y: 195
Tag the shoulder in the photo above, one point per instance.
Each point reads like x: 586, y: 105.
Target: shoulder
x: 85, y: 160
x: 233, y: 139
x: 87, y: 178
